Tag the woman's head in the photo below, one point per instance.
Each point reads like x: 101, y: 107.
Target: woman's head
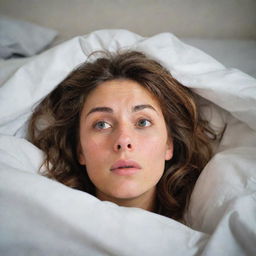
x: 109, y: 105
x: 124, y: 142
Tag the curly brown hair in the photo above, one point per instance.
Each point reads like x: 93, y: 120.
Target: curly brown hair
x: 54, y: 126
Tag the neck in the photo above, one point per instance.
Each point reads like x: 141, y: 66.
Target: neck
x: 147, y: 201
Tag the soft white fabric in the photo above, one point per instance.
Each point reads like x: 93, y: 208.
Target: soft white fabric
x: 23, y: 38
x: 40, y: 216
x: 236, y: 53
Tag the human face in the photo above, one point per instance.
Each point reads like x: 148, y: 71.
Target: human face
x: 123, y: 141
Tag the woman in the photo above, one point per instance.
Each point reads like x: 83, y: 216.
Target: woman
x: 123, y: 129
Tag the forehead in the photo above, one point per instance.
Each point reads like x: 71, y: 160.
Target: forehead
x: 121, y: 92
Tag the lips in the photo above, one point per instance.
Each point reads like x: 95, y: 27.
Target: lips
x: 125, y: 167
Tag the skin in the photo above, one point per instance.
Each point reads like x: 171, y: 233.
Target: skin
x: 121, y: 120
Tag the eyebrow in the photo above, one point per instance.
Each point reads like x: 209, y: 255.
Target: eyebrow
x: 110, y: 110
x: 141, y: 107
x: 100, y: 109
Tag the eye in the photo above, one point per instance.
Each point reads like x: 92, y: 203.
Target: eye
x: 144, y: 123
x: 102, y: 125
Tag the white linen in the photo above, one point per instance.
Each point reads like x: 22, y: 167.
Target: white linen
x: 23, y: 38
x: 235, y: 53
x: 40, y: 216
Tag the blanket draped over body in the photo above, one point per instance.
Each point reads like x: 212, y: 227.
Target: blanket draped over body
x: 39, y: 216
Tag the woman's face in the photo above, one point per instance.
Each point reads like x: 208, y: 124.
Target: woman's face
x: 123, y: 141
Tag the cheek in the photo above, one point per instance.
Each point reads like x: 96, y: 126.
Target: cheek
x: 95, y: 153
x: 91, y: 150
x: 153, y: 151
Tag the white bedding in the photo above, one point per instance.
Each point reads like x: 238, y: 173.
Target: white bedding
x: 236, y: 53
x: 39, y: 216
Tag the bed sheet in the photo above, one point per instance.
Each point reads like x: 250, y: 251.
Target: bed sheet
x: 43, y: 217
x: 233, y: 53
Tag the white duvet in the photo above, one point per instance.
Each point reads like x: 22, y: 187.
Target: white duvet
x: 39, y: 216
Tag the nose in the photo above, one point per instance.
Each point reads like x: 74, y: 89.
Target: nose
x: 123, y: 141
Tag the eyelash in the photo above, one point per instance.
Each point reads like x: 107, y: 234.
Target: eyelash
x: 144, y: 119
x: 100, y: 122
x: 96, y: 125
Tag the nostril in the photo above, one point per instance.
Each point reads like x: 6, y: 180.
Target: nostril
x: 119, y: 146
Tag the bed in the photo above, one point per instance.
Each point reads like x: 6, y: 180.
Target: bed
x: 39, y: 216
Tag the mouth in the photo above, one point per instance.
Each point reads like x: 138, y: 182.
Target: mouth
x: 125, y: 167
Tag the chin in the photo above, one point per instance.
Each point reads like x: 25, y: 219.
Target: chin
x: 126, y: 195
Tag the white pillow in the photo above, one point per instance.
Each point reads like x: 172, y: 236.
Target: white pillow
x: 23, y: 38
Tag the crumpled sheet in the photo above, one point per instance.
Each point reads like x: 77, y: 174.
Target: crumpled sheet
x: 39, y: 216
